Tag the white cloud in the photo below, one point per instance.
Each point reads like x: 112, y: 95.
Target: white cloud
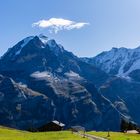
x: 57, y: 24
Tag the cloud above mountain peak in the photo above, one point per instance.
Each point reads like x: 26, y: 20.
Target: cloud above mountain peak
x: 57, y: 24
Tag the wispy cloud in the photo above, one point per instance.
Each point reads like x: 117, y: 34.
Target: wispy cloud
x: 57, y: 24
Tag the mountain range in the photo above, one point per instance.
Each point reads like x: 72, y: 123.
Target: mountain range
x: 122, y: 62
x: 40, y: 81
x: 123, y: 86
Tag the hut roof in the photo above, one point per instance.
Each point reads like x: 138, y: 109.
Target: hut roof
x: 58, y: 123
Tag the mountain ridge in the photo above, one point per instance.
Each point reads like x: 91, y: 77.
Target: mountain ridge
x: 118, y: 61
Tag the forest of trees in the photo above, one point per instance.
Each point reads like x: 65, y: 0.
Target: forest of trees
x: 128, y: 125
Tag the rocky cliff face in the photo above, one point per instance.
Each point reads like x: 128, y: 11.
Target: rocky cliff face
x: 47, y: 82
x: 21, y: 107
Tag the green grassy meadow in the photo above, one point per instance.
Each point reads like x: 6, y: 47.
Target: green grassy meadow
x: 11, y: 134
x: 116, y: 135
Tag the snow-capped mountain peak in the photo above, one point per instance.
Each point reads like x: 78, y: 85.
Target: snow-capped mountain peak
x: 16, y: 50
x: 118, y: 61
x: 25, y: 42
x: 41, y: 42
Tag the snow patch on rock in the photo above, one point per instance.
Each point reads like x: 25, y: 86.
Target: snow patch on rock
x: 43, y: 39
x: 41, y: 74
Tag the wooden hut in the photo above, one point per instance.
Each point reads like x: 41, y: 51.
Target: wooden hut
x: 52, y: 126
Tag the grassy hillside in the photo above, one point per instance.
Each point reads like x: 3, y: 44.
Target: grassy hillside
x: 10, y: 134
x: 116, y: 136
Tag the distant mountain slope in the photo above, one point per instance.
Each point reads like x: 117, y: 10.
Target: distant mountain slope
x: 123, y: 86
x: 68, y: 83
x: 118, y: 61
x: 125, y: 95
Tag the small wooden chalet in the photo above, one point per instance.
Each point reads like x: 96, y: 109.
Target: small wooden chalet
x: 52, y: 126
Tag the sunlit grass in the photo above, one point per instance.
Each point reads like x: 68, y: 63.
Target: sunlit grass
x: 116, y: 135
x: 12, y: 134
x: 9, y: 134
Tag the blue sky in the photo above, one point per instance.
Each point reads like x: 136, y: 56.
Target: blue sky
x: 112, y: 23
